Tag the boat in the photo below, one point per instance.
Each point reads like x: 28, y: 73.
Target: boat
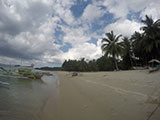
x: 4, y: 84
x: 154, y: 65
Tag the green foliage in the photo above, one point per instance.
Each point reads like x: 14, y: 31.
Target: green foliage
x: 49, y: 68
x: 151, y: 37
x: 146, y: 45
x: 22, y: 71
x: 93, y: 66
x: 112, y: 46
x: 105, y: 63
x: 127, y: 62
x: 75, y: 65
x: 26, y: 73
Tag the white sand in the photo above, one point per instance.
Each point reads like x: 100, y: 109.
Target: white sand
x: 123, y: 95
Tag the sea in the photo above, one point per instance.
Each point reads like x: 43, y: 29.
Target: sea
x: 25, y: 99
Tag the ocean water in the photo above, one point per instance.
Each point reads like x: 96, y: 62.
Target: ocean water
x: 26, y: 99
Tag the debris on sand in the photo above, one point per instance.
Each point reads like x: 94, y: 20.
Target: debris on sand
x: 153, y: 100
x: 74, y: 74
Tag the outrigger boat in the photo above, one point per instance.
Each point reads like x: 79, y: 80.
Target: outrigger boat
x: 22, y: 72
x: 4, y: 84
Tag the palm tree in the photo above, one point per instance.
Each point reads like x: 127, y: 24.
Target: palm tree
x: 112, y: 46
x: 151, y: 36
x: 127, y: 52
x: 137, y: 42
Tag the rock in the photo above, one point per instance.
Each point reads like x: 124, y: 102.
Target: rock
x: 74, y: 74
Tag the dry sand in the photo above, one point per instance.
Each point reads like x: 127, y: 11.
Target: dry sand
x: 123, y: 95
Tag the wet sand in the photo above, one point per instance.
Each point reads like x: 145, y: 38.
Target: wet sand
x: 123, y: 95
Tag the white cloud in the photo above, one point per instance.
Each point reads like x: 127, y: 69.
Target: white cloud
x: 86, y: 50
x: 75, y: 36
x: 92, y: 12
x: 152, y: 10
x: 125, y: 27
x: 30, y: 36
x: 62, y: 10
x: 121, y: 8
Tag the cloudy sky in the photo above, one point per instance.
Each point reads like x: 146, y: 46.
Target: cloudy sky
x: 46, y: 32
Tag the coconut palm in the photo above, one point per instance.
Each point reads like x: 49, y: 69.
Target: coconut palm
x: 151, y: 36
x: 112, y: 46
x: 138, y: 44
x: 151, y: 26
x: 127, y: 52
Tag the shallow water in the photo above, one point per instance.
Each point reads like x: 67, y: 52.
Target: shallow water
x: 26, y: 99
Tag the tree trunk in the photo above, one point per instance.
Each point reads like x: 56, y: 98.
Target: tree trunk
x: 131, y: 60
x: 116, y: 65
x: 146, y: 62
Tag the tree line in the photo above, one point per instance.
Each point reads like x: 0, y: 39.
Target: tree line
x: 102, y: 64
x: 121, y: 52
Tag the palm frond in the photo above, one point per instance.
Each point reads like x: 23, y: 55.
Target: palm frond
x: 105, y: 40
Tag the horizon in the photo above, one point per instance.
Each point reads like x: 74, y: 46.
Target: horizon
x: 47, y: 32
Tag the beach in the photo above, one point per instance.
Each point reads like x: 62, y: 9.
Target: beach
x: 122, y: 95
x: 117, y: 95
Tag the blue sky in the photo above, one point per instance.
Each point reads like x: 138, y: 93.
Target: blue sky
x: 78, y: 8
x: 46, y: 32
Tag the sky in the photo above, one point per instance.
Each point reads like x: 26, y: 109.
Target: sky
x: 47, y: 32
